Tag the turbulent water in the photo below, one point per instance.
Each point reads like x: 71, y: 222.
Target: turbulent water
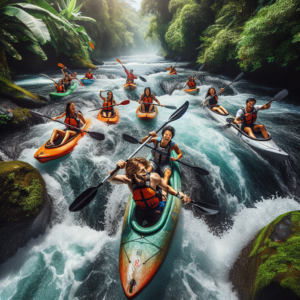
x: 77, y: 257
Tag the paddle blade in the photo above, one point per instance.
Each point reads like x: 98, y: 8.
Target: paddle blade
x: 83, y: 199
x: 201, y: 171
x: 178, y: 58
x: 230, y: 120
x: 142, y: 78
x: 201, y: 67
x: 282, y: 94
x: 130, y: 139
x: 125, y: 102
x: 97, y: 135
x: 92, y: 45
x: 179, y: 112
x: 206, y: 208
x: 119, y: 61
x: 61, y: 65
x: 238, y: 77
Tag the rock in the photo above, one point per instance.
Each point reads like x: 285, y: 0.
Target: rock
x: 25, y: 207
x: 81, y: 63
x: 19, y: 95
x: 97, y: 61
x: 269, y: 266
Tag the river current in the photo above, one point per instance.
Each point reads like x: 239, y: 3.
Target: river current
x: 77, y: 257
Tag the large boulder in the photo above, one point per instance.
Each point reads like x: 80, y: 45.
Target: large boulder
x: 25, y: 207
x: 80, y: 63
x: 269, y: 267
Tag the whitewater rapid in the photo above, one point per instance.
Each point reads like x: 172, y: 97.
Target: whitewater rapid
x: 77, y: 257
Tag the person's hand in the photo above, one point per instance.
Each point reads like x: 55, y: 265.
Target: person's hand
x: 53, y: 119
x: 122, y: 164
x: 140, y: 101
x: 173, y: 158
x: 185, y: 198
x: 204, y: 102
x: 153, y: 134
x: 222, y: 89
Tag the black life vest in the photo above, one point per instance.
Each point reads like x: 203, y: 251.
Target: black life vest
x: 213, y: 101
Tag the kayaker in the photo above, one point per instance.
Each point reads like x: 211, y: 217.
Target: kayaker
x: 89, y: 75
x: 73, y: 76
x: 247, y: 117
x: 145, y: 186
x: 130, y: 75
x: 66, y: 79
x: 147, y: 97
x: 213, y: 102
x: 74, y: 118
x: 160, y: 163
x: 60, y: 88
x: 191, y: 82
x: 109, y: 111
x: 172, y: 69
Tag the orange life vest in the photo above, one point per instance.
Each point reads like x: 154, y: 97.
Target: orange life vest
x: 89, y: 75
x: 148, y: 100
x: 249, y: 118
x: 108, y: 103
x: 74, y: 121
x: 60, y: 88
x: 192, y: 83
x: 144, y: 196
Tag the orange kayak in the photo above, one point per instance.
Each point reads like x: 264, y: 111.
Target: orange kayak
x: 47, y: 153
x: 130, y: 86
x: 112, y: 120
x: 173, y: 73
x: 146, y: 116
x: 193, y: 91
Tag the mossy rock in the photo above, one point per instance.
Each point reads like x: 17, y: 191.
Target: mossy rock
x: 22, y: 191
x: 81, y: 63
x: 19, y: 95
x: 269, y: 267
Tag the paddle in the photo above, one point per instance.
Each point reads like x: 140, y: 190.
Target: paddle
x: 142, y: 78
x: 132, y: 140
x: 177, y: 61
x: 234, y: 80
x: 200, y: 69
x: 41, y: 74
x: 166, y: 106
x: 125, y: 102
x: 206, y: 208
x: 95, y: 135
x: 63, y: 67
x: 88, y: 195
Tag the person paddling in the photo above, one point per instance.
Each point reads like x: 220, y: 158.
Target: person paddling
x: 60, y: 88
x: 74, y: 118
x: 191, y: 82
x: 147, y: 97
x: 73, y: 76
x: 89, y: 74
x: 108, y: 112
x: 130, y: 76
x: 247, y: 117
x: 160, y: 163
x: 172, y: 70
x: 66, y: 79
x: 213, y: 102
x: 145, y: 186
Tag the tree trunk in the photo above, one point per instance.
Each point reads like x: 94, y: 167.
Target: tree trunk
x: 4, y: 69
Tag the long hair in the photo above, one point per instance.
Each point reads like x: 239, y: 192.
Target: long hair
x: 147, y: 88
x: 208, y: 93
x: 132, y: 166
x: 112, y: 95
x: 68, y: 108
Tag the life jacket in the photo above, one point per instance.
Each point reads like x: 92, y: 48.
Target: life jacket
x: 74, y: 121
x: 192, y: 83
x: 89, y: 75
x: 144, y: 196
x: 60, y: 88
x: 173, y: 70
x: 108, y: 103
x: 249, y: 118
x: 148, y: 100
x: 159, y: 158
x: 213, y: 101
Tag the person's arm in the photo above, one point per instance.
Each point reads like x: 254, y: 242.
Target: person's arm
x: 115, y: 103
x: 178, y: 152
x: 153, y: 140
x: 126, y: 71
x: 134, y: 76
x: 266, y: 106
x: 100, y: 95
x: 54, y: 82
x: 167, y: 188
x: 118, y: 179
x: 196, y: 76
x: 81, y: 117
x: 221, y: 91
x: 239, y: 117
x: 141, y: 99
x: 59, y: 117
x: 155, y: 99
x: 62, y: 70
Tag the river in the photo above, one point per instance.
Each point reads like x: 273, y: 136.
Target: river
x: 77, y: 257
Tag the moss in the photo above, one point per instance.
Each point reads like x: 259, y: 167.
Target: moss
x: 21, y: 115
x: 292, y: 284
x: 80, y: 62
x: 22, y: 193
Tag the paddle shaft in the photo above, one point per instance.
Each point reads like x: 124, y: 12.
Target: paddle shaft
x: 104, y: 107
x: 48, y: 77
x: 153, y: 104
x: 261, y: 107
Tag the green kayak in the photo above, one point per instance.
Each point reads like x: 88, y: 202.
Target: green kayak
x: 144, y: 249
x: 56, y: 96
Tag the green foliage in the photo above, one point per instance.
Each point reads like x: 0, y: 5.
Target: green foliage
x: 4, y: 119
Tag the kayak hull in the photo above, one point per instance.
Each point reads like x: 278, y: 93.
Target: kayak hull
x: 264, y: 146
x: 173, y: 73
x: 148, y: 115
x: 113, y: 120
x: 130, y: 86
x: 87, y: 81
x: 55, y: 96
x: 192, y: 91
x: 144, y: 249
x: 44, y: 154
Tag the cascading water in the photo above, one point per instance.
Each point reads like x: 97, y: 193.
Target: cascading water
x: 77, y: 258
